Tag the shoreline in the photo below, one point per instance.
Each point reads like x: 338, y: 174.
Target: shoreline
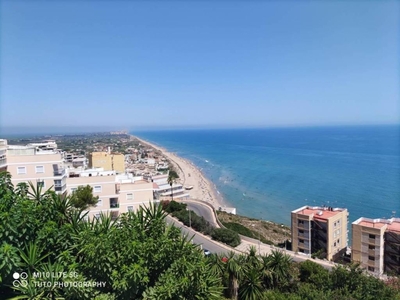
x: 191, y: 175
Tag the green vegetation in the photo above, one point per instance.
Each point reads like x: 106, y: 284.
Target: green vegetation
x: 179, y: 211
x: 138, y: 256
x: 226, y: 236
x: 268, y: 232
x: 172, y: 177
x: 83, y: 197
x: 240, y: 229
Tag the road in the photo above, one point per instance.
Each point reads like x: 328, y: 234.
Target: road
x: 202, y: 210
x: 198, y: 239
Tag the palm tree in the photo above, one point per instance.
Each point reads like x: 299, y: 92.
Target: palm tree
x: 216, y: 264
x: 279, y: 263
x: 36, y: 192
x: 234, y: 269
x: 172, y: 177
x: 251, y: 286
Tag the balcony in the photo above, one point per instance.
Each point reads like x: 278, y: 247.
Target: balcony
x: 114, y: 203
x: 3, y: 162
x: 60, y: 188
x: 59, y: 172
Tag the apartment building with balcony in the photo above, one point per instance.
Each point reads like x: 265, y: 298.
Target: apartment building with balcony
x: 108, y: 161
x: 117, y: 193
x: 40, y: 165
x: 320, y: 230
x: 163, y: 189
x: 3, y: 155
x: 376, y: 244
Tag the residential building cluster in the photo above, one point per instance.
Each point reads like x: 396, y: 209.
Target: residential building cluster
x: 119, y: 191
x: 375, y: 243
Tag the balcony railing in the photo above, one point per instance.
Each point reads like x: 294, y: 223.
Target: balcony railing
x: 59, y: 172
x: 3, y: 162
x: 60, y: 188
x: 114, y: 205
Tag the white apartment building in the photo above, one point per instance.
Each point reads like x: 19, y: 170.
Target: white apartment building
x: 43, y: 164
x: 3, y: 155
x: 163, y: 189
x: 38, y: 164
x: 117, y: 193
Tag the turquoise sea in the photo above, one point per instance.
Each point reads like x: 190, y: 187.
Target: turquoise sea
x: 267, y: 173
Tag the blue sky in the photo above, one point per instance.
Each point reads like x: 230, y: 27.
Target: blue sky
x: 137, y: 64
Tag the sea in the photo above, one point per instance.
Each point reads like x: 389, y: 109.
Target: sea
x: 268, y: 172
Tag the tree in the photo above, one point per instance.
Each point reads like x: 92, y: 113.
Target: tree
x: 235, y: 271
x: 172, y: 177
x: 279, y: 264
x: 83, y: 197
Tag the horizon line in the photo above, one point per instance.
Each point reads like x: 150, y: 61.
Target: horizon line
x: 71, y: 130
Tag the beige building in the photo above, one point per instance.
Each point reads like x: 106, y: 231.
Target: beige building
x: 3, y: 155
x: 40, y: 165
x: 117, y: 193
x: 107, y: 161
x: 376, y: 244
x: 320, y: 229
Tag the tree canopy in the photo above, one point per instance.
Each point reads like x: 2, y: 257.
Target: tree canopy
x: 83, y: 197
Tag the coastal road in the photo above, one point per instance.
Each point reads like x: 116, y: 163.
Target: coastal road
x: 216, y: 247
x: 202, y: 210
x: 198, y: 239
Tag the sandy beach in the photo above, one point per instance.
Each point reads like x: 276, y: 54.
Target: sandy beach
x: 190, y: 175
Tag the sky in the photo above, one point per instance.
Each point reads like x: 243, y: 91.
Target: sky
x: 198, y: 64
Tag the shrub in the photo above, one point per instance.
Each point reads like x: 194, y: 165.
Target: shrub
x: 226, y: 236
x: 239, y: 228
x: 172, y: 206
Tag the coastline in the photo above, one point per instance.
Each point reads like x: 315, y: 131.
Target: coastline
x: 191, y: 175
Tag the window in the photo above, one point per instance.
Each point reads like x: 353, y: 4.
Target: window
x: 39, y: 169
x: 97, y: 189
x: 334, y: 244
x: 338, y: 241
x: 99, y: 203
x: 73, y: 190
x: 370, y: 247
x: 21, y: 170
x: 301, y: 222
x: 97, y: 215
x: 301, y: 250
x: 130, y: 208
x: 129, y: 196
x: 334, y: 224
x: 40, y: 184
x: 372, y: 269
x: 372, y: 236
x: 301, y: 241
x: 301, y: 231
x: 371, y: 258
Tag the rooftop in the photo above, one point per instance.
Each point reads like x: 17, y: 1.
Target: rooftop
x: 319, y: 212
x: 393, y: 224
